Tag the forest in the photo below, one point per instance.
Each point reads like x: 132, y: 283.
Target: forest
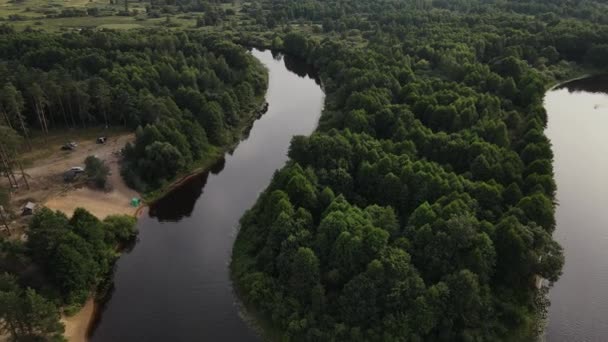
x: 184, y: 94
x: 421, y: 209
x: 187, y: 96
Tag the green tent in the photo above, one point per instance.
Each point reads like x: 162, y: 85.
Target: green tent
x: 135, y: 202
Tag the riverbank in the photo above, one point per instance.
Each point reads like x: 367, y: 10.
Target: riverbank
x: 78, y: 325
x: 214, y: 155
x: 577, y: 119
x: 189, y: 235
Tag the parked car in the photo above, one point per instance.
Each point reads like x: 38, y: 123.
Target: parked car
x: 70, y: 146
x: 70, y: 176
x: 101, y: 140
x: 77, y: 169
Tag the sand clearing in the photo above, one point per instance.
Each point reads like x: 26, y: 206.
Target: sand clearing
x: 77, y: 326
x: 100, y: 203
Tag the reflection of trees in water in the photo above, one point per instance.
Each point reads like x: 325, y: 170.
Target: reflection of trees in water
x: 218, y: 166
x: 299, y: 67
x: 595, y: 84
x: 179, y: 203
x: 277, y: 56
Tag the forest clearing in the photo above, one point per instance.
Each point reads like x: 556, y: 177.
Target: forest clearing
x: 45, y: 165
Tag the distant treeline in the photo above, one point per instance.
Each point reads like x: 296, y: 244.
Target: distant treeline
x: 422, y: 209
x: 186, y: 91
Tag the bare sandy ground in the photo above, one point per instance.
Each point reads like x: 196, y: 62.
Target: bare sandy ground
x: 99, y: 203
x: 77, y: 326
x: 47, y: 186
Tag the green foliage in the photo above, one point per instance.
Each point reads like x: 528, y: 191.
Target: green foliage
x: 429, y: 179
x: 76, y: 254
x: 192, y: 89
x: 27, y: 316
x: 97, y: 171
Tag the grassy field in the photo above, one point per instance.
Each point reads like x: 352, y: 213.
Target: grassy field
x: 46, y: 15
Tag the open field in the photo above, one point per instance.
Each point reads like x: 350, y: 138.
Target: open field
x: 49, y: 16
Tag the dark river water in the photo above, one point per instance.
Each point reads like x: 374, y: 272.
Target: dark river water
x: 578, y: 129
x: 174, y: 285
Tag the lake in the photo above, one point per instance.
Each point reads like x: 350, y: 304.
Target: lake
x: 578, y: 129
x: 174, y: 285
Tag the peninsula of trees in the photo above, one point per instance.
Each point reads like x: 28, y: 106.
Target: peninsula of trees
x: 422, y: 208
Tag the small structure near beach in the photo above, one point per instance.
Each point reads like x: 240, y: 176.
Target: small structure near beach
x: 135, y: 202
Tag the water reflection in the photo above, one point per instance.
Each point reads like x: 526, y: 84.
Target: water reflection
x: 297, y: 65
x: 577, y: 125
x: 175, y: 285
x: 179, y: 203
x: 595, y: 84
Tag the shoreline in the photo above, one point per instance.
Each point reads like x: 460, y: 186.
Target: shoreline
x: 207, y: 164
x: 79, y: 326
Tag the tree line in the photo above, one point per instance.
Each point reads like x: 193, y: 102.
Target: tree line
x: 184, y: 93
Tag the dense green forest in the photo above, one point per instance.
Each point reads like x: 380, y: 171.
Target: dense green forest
x: 62, y: 263
x: 185, y: 93
x: 423, y: 206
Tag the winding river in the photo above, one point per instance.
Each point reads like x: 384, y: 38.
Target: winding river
x: 578, y: 129
x: 174, y: 285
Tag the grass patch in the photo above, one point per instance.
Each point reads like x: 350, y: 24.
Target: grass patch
x: 125, y: 26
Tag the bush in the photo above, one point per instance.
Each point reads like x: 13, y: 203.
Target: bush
x: 97, y: 171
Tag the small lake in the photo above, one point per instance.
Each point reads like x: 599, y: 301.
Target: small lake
x: 578, y: 129
x: 174, y: 285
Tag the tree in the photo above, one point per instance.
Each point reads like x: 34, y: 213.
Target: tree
x: 304, y: 273
x: 100, y: 97
x: 39, y: 102
x: 162, y: 161
x: 213, y: 122
x: 97, y: 171
x: 538, y: 208
x: 295, y: 43
x: 119, y: 228
x: 27, y: 316
x: 12, y: 105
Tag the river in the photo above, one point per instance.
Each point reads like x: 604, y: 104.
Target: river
x: 174, y: 285
x: 578, y: 129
